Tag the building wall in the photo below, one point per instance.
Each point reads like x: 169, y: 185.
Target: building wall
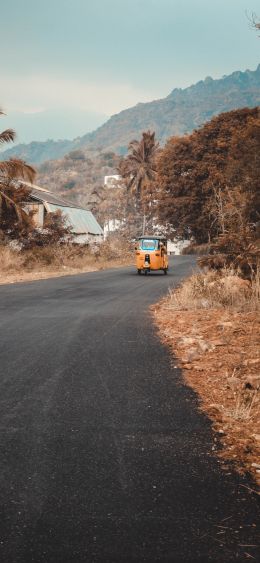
x: 38, y: 212
x: 113, y: 181
x: 87, y: 239
x: 176, y: 247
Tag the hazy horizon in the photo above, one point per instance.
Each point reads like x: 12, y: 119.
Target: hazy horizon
x: 70, y: 66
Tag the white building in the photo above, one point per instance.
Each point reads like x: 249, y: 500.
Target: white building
x: 113, y: 181
x: 176, y: 247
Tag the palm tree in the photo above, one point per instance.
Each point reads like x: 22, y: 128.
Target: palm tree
x: 10, y: 170
x: 138, y: 168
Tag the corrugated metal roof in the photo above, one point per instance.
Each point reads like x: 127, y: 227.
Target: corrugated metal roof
x: 42, y: 194
x: 81, y: 220
x: 152, y: 237
x: 49, y: 197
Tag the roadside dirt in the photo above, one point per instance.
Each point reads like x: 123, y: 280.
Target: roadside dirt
x: 45, y: 273
x: 219, y: 353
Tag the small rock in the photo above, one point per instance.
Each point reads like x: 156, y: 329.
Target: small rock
x: 205, y: 346
x: 187, y: 340
x: 233, y: 382
x: 226, y: 324
x: 256, y: 465
x: 192, y: 355
x: 215, y: 406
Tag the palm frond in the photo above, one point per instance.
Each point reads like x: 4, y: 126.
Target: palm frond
x: 139, y: 166
x: 10, y: 203
x: 16, y: 168
x: 7, y: 136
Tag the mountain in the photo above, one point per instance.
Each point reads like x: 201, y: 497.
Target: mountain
x: 180, y: 112
x: 38, y: 151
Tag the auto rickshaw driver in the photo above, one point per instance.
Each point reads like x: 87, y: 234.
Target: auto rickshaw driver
x: 162, y: 248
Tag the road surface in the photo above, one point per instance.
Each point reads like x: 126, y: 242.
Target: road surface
x: 104, y: 455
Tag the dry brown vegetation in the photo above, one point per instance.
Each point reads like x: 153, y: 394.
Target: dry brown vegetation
x: 59, y: 260
x: 79, y: 175
x: 209, y: 182
x: 212, y: 325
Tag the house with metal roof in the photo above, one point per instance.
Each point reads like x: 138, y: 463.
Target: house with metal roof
x: 85, y: 228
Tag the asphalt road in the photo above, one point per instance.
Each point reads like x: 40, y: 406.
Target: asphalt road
x: 104, y: 455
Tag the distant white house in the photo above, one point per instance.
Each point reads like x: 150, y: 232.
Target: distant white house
x: 111, y: 226
x: 176, y: 247
x: 113, y: 181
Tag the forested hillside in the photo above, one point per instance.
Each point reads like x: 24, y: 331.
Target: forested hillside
x: 79, y: 175
x: 179, y: 113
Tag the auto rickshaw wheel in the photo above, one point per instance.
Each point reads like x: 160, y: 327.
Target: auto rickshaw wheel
x: 165, y: 271
x: 139, y: 272
x: 145, y: 272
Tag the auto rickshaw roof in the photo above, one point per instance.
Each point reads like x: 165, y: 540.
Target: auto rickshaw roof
x: 152, y: 237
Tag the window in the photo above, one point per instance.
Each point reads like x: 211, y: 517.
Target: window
x: 149, y: 244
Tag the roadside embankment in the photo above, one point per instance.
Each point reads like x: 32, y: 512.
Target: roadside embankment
x: 58, y: 260
x: 212, y: 325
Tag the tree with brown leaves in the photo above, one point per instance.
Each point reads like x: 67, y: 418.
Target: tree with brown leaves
x: 209, y: 185
x: 194, y: 168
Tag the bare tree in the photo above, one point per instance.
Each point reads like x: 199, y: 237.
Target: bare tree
x: 254, y: 21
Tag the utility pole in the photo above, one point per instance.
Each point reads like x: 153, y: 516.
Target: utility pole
x: 144, y: 224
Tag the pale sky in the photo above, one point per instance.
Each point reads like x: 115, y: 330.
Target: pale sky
x: 67, y: 65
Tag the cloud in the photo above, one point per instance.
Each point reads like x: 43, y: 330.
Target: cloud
x: 35, y: 93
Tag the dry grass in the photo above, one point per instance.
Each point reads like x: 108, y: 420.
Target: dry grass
x: 198, y: 249
x: 243, y: 407
x: 212, y: 324
x: 217, y: 290
x: 9, y: 260
x: 58, y: 260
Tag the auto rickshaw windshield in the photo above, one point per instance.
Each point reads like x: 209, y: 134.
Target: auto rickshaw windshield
x: 148, y: 244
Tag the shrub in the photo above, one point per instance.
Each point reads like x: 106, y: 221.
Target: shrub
x: 76, y: 155
x: 217, y: 290
x: 10, y: 259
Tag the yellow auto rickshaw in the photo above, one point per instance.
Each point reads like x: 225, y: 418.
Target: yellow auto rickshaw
x: 151, y: 254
